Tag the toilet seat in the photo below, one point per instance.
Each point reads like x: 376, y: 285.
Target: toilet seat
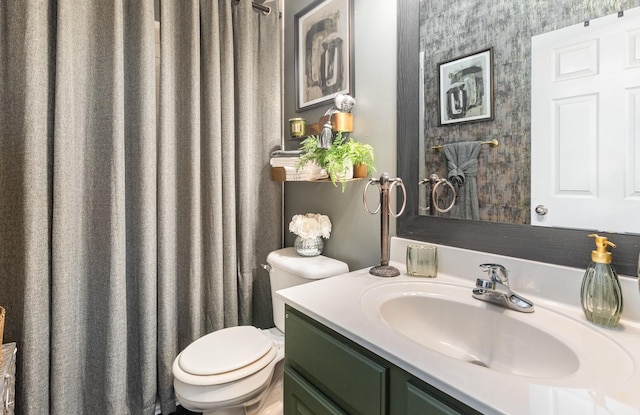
x: 224, y: 356
x: 204, y: 398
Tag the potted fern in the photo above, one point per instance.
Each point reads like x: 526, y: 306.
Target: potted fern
x: 339, y: 159
x: 362, y: 157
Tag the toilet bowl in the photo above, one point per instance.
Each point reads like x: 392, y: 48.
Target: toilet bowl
x: 234, y: 371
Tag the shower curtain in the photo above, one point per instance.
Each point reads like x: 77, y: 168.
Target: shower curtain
x: 128, y: 232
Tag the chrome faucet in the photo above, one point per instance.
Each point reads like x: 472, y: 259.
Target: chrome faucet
x: 496, y: 289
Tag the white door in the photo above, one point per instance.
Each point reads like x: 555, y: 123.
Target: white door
x: 585, y: 125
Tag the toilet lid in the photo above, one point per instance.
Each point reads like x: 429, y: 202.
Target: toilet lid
x: 224, y: 351
x: 245, y: 373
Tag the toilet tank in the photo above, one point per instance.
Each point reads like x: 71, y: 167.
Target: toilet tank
x: 289, y: 269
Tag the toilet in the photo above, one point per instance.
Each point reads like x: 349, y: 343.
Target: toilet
x: 238, y: 370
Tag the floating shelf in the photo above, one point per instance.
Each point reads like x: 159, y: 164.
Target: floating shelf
x: 278, y: 174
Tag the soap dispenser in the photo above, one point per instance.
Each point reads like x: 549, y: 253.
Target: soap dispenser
x: 601, y: 296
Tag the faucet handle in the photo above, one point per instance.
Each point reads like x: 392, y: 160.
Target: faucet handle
x: 497, y: 273
x: 485, y: 284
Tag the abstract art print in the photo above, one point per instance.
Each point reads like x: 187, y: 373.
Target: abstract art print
x: 465, y: 88
x: 323, y: 52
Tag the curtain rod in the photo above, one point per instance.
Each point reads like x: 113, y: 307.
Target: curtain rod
x: 262, y: 8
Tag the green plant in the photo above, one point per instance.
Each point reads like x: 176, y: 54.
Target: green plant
x: 341, y: 155
x: 362, y: 154
x: 310, y: 152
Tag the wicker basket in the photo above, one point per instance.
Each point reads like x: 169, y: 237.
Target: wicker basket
x: 2, y: 312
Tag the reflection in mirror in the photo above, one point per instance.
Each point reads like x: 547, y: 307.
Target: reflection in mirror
x: 451, y: 29
x: 585, y: 118
x: 415, y: 120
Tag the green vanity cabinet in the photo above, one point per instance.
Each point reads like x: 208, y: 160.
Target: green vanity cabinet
x: 354, y: 380
x: 419, y: 398
x: 304, y: 399
x: 326, y: 373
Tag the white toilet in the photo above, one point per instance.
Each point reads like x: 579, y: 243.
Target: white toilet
x: 238, y: 370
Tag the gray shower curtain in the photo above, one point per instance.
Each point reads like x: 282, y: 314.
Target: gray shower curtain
x: 127, y: 232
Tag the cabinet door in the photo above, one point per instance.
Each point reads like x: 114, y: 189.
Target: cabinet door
x: 301, y: 398
x: 355, y: 382
x: 428, y: 400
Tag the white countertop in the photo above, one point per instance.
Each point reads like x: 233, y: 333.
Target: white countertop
x: 335, y: 302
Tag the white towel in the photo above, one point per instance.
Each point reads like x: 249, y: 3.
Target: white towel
x: 284, y: 161
x: 310, y: 171
x: 286, y: 153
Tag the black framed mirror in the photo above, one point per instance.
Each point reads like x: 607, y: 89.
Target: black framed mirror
x: 553, y: 245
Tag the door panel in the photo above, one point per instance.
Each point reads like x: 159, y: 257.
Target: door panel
x: 585, y: 125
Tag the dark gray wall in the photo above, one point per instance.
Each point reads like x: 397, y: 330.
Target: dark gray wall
x: 355, y: 238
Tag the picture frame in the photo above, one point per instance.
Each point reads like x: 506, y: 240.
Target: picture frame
x: 324, y: 64
x: 465, y: 88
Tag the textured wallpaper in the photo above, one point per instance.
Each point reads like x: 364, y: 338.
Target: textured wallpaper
x: 453, y: 28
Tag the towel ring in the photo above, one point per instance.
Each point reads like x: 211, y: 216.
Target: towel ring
x: 398, y: 182
x: 364, y: 199
x: 433, y: 196
x: 434, y: 181
x: 394, y: 182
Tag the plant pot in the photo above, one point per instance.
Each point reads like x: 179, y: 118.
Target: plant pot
x: 360, y: 171
x: 346, y: 174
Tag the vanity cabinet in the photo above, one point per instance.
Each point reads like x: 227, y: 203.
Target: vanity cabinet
x: 326, y: 373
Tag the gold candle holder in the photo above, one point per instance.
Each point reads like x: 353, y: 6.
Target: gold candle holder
x: 297, y: 127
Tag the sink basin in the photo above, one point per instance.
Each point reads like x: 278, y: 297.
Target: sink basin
x: 446, y: 319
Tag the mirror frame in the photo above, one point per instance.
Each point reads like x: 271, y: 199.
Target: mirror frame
x: 569, y: 247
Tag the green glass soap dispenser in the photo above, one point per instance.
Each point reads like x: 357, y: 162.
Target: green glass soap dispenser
x: 600, y: 293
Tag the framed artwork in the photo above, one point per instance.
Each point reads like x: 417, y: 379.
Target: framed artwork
x: 465, y: 88
x: 323, y: 55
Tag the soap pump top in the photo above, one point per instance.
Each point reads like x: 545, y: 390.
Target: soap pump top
x: 601, y: 296
x: 601, y: 255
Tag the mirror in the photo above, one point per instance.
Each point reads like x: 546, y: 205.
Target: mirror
x: 450, y: 30
x: 554, y: 245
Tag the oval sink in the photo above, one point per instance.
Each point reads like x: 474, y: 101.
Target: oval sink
x: 483, y: 336
x: 447, y: 319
